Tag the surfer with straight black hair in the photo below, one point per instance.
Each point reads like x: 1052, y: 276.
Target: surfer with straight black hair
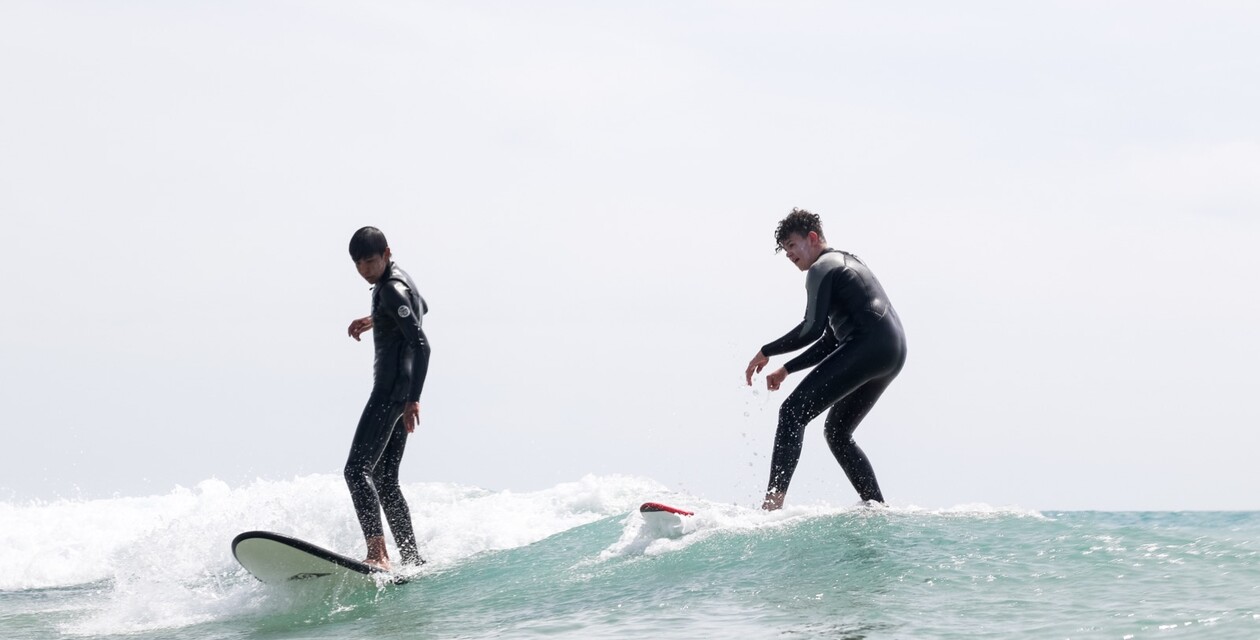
x: 393, y: 409
x: 858, y: 347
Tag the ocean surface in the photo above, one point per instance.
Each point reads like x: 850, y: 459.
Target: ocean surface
x: 577, y: 561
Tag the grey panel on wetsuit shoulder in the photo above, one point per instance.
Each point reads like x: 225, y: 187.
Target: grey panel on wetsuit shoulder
x: 818, y: 294
x: 820, y: 289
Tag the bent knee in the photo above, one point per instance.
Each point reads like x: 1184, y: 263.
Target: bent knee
x: 796, y: 414
x: 357, y: 474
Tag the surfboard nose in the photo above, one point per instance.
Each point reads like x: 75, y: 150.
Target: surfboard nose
x: 662, y: 520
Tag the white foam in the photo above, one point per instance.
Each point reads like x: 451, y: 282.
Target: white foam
x: 638, y: 537
x: 71, y: 542
x: 972, y: 510
x: 165, y: 562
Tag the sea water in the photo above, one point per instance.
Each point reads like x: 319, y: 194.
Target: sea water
x: 577, y: 561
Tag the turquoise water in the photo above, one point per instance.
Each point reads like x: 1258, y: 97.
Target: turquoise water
x: 576, y: 561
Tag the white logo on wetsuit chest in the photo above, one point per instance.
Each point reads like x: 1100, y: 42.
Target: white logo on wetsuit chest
x: 404, y: 311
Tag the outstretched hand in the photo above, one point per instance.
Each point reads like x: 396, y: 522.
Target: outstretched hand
x: 755, y: 365
x: 359, y: 326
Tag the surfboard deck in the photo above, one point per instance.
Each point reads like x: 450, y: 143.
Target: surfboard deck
x: 279, y: 559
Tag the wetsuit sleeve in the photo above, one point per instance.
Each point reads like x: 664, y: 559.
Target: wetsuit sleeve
x: 817, y: 294
x: 399, y: 305
x: 815, y: 353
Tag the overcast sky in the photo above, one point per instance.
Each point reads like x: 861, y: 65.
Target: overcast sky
x: 1062, y: 200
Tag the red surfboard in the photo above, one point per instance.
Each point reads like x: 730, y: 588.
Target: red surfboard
x: 653, y: 507
x: 662, y: 520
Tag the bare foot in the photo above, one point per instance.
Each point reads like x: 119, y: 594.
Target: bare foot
x: 379, y: 563
x: 377, y: 555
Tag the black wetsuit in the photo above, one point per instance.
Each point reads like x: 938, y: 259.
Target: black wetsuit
x: 858, y: 347
x: 402, y: 361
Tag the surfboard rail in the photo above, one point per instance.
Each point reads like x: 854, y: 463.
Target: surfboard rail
x: 656, y: 507
x: 275, y: 558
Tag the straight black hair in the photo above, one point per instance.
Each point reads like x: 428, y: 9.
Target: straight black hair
x: 367, y: 242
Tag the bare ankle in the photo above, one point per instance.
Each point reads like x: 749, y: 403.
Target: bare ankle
x: 773, y: 501
x: 377, y: 555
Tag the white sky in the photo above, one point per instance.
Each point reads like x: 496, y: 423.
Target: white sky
x: 1061, y: 198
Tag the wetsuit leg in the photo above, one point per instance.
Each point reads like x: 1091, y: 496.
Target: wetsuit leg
x: 843, y: 418
x: 371, y: 439
x: 805, y: 403
x: 397, y: 514
x: 842, y: 373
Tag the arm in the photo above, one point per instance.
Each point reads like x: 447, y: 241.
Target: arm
x: 811, y: 357
x: 815, y: 353
x: 409, y: 322
x: 817, y: 300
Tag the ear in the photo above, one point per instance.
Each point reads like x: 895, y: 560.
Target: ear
x: 813, y: 238
x: 387, y: 254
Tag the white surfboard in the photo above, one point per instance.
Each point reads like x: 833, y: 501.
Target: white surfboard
x: 279, y: 559
x: 664, y: 520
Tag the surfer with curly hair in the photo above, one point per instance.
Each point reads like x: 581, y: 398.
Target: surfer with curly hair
x: 856, y: 346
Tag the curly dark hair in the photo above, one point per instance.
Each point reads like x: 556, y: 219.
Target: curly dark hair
x: 800, y: 222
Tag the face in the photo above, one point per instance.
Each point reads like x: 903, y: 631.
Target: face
x: 803, y: 251
x: 373, y: 267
